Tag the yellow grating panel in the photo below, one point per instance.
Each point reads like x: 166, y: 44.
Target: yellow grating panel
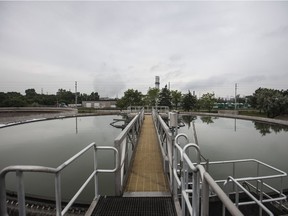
x: 147, y: 170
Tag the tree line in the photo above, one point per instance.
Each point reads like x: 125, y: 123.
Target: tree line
x: 32, y: 98
x: 174, y: 99
x: 268, y: 101
x: 271, y: 102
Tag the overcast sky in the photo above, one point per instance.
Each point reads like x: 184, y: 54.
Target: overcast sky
x: 111, y: 46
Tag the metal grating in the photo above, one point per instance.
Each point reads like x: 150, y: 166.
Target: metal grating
x: 140, y: 206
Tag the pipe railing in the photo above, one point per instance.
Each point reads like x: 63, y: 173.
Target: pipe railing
x: 20, y: 170
x: 199, y: 177
x: 256, y: 181
x: 166, y: 140
x: 194, y: 183
x: 205, y: 181
x: 255, y: 201
x: 125, y: 143
x: 171, y: 150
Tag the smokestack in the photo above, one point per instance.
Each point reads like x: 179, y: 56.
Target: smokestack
x: 157, y: 82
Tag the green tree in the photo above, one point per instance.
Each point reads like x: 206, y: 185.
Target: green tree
x: 3, y: 98
x: 165, y: 97
x: 189, y: 101
x: 66, y: 97
x: 31, y: 93
x: 32, y: 98
x: 151, y: 96
x: 176, y: 98
x: 14, y: 99
x: 94, y: 96
x: 270, y: 101
x: 131, y: 98
x: 207, y: 101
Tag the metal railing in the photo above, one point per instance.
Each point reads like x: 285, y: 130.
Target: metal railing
x: 147, y: 109
x: 205, y: 181
x: 258, y: 202
x: 20, y: 170
x: 200, y: 179
x: 166, y: 140
x: 125, y: 143
x: 255, y: 182
x: 193, y: 183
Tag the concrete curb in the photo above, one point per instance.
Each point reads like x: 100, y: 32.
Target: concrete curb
x: 244, y: 117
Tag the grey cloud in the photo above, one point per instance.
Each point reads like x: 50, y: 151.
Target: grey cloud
x: 252, y: 79
x: 108, y: 81
x: 208, y: 83
x: 215, y: 43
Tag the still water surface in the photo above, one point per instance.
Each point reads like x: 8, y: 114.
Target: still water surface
x: 232, y: 139
x: 50, y: 143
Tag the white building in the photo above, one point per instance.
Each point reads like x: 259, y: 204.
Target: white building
x: 99, y: 104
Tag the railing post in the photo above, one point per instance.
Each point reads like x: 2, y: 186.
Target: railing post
x: 205, y: 197
x: 58, y: 193
x: 174, y: 163
x: 195, y: 195
x: 184, y: 181
x: 95, y: 170
x: 3, y: 205
x: 261, y: 197
x: 21, y: 193
x: 118, y: 187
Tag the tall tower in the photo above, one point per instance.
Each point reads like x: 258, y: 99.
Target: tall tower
x: 157, y: 82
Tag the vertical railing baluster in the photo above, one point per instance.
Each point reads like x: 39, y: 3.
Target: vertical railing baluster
x: 3, y: 205
x: 21, y: 193
x: 95, y: 170
x: 261, y: 197
x: 118, y: 177
x: 196, y: 195
x: 205, y: 197
x: 58, y: 193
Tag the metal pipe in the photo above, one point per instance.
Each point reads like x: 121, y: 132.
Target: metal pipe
x: 205, y: 196
x: 250, y: 195
x: 95, y: 173
x: 196, y: 194
x: 58, y: 194
x: 181, y: 135
x: 3, y: 204
x: 222, y: 196
x: 196, y: 148
x: 64, y: 211
x: 21, y: 193
x: 73, y: 158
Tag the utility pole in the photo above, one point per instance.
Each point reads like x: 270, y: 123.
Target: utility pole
x: 235, y: 96
x: 75, y: 94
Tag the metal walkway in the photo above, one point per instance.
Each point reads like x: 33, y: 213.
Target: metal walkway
x: 131, y: 206
x: 147, y: 173
x: 139, y: 160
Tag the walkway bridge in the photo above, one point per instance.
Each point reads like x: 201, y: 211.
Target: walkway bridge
x: 159, y: 172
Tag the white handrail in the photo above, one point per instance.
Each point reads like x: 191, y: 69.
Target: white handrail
x: 57, y: 172
x: 121, y: 144
x: 201, y: 179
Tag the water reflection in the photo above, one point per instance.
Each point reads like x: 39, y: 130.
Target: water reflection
x: 231, y: 139
x: 121, y: 122
x: 265, y: 129
x: 262, y: 128
x: 208, y: 119
x: 188, y: 119
x: 50, y: 143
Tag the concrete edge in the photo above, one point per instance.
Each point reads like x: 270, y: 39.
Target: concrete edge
x: 244, y: 117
